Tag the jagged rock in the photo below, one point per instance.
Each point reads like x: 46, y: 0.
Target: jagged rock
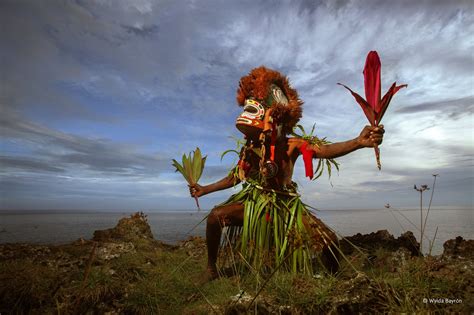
x: 22, y: 250
x: 400, y: 258
x: 408, y: 240
x: 195, y: 246
x: 359, y: 295
x: 108, y: 251
x: 127, y: 230
x: 380, y: 239
x: 241, y: 304
x: 459, y: 247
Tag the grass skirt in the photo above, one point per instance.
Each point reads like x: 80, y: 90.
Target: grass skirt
x: 278, y: 232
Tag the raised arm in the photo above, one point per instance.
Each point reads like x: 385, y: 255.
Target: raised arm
x: 197, y: 190
x: 368, y: 138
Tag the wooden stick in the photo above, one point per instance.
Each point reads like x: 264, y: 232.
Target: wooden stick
x: 377, y: 156
x: 197, y: 203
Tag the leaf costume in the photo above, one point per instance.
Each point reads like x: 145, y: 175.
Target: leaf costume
x: 278, y: 230
x: 274, y: 234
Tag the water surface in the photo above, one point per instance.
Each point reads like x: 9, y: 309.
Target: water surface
x: 57, y: 227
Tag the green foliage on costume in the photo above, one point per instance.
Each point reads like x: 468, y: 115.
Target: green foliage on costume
x: 239, y: 143
x: 314, y: 140
x: 273, y: 234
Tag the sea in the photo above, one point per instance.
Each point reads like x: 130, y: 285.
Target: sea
x: 64, y: 226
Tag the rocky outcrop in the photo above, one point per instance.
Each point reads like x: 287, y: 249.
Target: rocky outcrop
x: 380, y: 239
x: 127, y: 230
x: 459, y: 248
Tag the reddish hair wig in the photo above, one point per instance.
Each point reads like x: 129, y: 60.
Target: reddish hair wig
x: 257, y: 84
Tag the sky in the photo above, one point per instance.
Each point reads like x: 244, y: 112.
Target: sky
x: 98, y: 96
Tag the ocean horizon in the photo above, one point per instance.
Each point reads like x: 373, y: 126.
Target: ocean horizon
x: 56, y: 226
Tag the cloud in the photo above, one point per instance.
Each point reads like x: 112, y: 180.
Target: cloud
x: 27, y: 164
x: 453, y: 108
x: 142, y: 30
x: 104, y: 93
x: 68, y: 151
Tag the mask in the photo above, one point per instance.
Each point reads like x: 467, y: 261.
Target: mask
x: 251, y: 121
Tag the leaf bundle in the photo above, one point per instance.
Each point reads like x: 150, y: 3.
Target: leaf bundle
x: 191, y: 168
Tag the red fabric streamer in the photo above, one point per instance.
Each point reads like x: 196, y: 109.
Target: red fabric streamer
x: 245, y: 166
x: 308, y: 160
x: 273, y: 142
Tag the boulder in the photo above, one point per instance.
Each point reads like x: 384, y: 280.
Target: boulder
x: 127, y: 230
x: 458, y: 248
x: 380, y: 239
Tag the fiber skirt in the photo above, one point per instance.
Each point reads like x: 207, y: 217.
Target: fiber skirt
x: 278, y: 232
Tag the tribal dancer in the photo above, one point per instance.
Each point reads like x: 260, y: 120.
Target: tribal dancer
x: 269, y: 224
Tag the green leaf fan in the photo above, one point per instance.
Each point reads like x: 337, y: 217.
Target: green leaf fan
x: 191, y: 168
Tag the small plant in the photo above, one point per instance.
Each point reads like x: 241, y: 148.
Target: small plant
x: 421, y: 190
x: 192, y: 168
x: 423, y: 219
x: 428, y: 212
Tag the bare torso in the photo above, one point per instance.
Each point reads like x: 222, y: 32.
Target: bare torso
x: 286, y: 154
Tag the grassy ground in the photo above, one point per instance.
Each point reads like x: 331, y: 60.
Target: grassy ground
x: 143, y: 276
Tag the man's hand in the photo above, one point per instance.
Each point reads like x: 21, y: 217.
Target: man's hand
x: 196, y: 190
x: 371, y: 136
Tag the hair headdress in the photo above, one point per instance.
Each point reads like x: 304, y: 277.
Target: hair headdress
x: 273, y: 90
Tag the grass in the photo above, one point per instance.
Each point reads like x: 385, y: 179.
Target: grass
x: 29, y: 285
x: 302, y: 292
x: 162, y: 280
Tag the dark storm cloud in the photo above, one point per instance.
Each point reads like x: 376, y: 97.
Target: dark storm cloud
x: 30, y: 191
x: 452, y: 177
x: 68, y: 151
x: 453, y: 108
x: 27, y: 164
x: 144, y: 31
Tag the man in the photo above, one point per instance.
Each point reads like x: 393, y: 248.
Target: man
x: 269, y: 208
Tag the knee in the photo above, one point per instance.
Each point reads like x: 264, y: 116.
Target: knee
x: 215, y: 217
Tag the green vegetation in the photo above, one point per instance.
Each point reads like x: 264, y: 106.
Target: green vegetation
x: 143, y: 276
x: 191, y: 168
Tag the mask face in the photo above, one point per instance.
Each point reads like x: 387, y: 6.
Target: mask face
x: 251, y: 121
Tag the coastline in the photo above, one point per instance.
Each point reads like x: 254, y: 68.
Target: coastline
x: 125, y: 270
x: 61, y: 227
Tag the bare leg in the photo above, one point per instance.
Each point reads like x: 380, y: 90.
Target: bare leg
x: 229, y: 215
